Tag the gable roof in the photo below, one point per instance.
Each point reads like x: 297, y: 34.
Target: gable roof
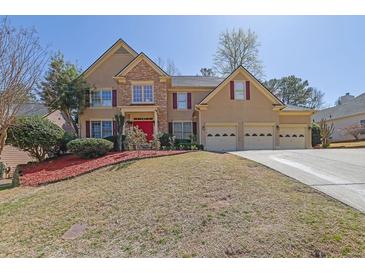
x: 195, y: 81
x: 352, y: 107
x: 238, y: 70
x: 33, y: 109
x: 136, y: 61
x: 114, y: 48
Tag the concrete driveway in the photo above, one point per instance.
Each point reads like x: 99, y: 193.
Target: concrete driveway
x: 339, y: 173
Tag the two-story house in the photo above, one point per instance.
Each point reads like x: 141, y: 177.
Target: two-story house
x: 233, y: 113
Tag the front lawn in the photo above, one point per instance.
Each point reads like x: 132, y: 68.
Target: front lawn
x: 191, y: 205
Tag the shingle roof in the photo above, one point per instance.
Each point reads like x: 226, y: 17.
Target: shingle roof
x: 295, y: 108
x: 196, y: 81
x: 32, y: 109
x: 355, y: 106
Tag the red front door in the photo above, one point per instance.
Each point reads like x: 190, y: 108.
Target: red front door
x: 146, y: 127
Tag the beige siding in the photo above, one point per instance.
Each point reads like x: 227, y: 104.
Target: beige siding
x: 102, y: 76
x: 12, y: 156
x: 58, y: 119
x: 221, y: 109
x: 340, y: 124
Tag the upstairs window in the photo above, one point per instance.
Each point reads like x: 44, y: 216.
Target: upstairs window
x: 142, y: 94
x: 239, y: 90
x: 101, y: 98
x: 182, y: 100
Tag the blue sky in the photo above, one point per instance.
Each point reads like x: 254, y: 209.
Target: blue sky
x: 328, y: 51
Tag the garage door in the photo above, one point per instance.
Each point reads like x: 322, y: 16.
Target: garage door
x: 258, y: 138
x: 221, y: 138
x: 292, y: 138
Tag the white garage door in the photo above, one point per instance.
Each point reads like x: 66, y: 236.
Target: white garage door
x: 221, y: 138
x: 292, y: 138
x: 258, y: 138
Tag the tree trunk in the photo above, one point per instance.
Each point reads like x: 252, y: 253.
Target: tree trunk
x: 3, y: 135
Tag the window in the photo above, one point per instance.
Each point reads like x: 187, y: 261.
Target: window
x: 239, y: 90
x: 101, y: 98
x: 182, y: 100
x: 142, y: 94
x: 101, y: 129
x: 182, y: 130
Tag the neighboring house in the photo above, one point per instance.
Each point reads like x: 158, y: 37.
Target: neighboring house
x: 349, y: 111
x: 233, y: 113
x: 12, y: 156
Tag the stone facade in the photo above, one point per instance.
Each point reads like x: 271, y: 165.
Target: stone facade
x: 144, y: 72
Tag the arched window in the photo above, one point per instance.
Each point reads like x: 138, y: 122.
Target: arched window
x: 294, y: 135
x: 217, y: 135
x: 280, y: 135
x: 210, y: 135
x: 225, y: 134
x: 269, y: 134
x: 287, y: 135
x: 254, y: 134
x: 232, y: 134
x: 247, y: 134
x: 301, y: 135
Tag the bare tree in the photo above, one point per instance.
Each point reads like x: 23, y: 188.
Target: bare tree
x: 21, y: 62
x: 238, y: 48
x: 326, y: 132
x: 207, y: 72
x: 354, y: 130
x: 168, y: 66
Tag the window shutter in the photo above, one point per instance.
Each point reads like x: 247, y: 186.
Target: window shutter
x: 114, y: 98
x: 248, y: 90
x: 231, y: 88
x: 170, y: 128
x: 174, y: 100
x: 194, y: 128
x: 87, y: 98
x: 114, y: 128
x: 189, y: 100
x: 87, y: 127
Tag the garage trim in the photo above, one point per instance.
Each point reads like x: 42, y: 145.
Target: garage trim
x: 258, y: 124
x: 221, y: 124
x: 294, y: 125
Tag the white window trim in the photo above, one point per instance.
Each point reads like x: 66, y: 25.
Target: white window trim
x: 101, y: 127
x: 244, y: 90
x: 177, y: 100
x: 182, y: 121
x: 100, y: 90
x: 143, y: 84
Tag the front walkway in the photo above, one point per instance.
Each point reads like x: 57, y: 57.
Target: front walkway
x: 339, y: 173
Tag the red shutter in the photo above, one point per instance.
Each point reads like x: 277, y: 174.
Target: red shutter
x: 87, y: 127
x: 114, y: 128
x: 170, y: 128
x: 87, y: 98
x: 189, y: 100
x: 248, y: 90
x: 174, y: 100
x: 231, y: 89
x: 194, y: 128
x: 114, y: 98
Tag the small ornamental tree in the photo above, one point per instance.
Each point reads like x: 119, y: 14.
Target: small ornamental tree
x: 38, y: 136
x: 135, y: 138
x: 119, y: 126
x: 326, y: 132
x: 354, y: 130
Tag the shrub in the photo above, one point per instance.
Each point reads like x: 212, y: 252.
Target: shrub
x: 2, y: 169
x: 156, y: 144
x: 135, y: 139
x: 66, y: 138
x: 114, y: 140
x: 316, y: 135
x: 326, y: 132
x: 38, y: 136
x: 90, y: 147
x: 165, y: 139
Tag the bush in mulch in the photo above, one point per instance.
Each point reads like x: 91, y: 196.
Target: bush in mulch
x: 69, y: 166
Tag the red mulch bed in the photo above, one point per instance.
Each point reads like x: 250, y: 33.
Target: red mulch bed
x: 69, y: 166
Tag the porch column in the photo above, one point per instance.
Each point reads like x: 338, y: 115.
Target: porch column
x: 155, y: 130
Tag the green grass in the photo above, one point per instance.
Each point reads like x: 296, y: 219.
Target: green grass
x: 192, y: 205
